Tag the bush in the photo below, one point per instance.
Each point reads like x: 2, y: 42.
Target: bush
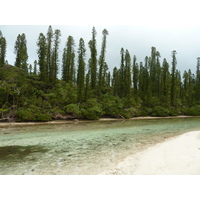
x: 111, y: 105
x: 146, y: 111
x: 91, y: 109
x: 93, y: 113
x: 194, y: 111
x: 3, y: 112
x: 73, y: 110
x: 126, y: 114
x: 173, y: 111
x: 43, y: 117
x: 159, y: 111
x: 31, y: 115
x: 56, y: 113
x: 130, y: 112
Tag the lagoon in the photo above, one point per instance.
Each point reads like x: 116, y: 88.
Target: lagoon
x: 82, y: 148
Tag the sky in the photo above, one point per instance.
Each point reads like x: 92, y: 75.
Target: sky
x: 134, y: 25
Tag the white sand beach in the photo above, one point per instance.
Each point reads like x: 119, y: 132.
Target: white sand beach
x: 177, y: 156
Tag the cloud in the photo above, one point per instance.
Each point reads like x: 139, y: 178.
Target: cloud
x: 138, y: 39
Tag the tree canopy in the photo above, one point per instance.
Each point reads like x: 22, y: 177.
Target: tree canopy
x: 87, y: 88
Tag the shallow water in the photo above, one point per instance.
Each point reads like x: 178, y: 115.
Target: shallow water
x: 82, y: 148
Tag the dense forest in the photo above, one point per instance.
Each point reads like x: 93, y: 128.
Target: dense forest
x: 87, y: 89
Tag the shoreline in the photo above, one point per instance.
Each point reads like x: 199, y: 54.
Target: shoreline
x: 179, y: 155
x: 101, y: 152
x: 57, y: 122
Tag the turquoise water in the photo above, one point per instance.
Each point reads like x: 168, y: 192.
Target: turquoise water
x: 82, y: 148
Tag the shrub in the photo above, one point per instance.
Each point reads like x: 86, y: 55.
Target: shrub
x: 3, y: 112
x: 130, y: 112
x: 56, y: 111
x: 173, y: 111
x: 91, y: 109
x: 30, y: 114
x: 146, y: 111
x: 24, y: 114
x: 111, y: 105
x: 160, y: 112
x: 194, y: 111
x: 43, y: 117
x: 73, y: 110
x: 93, y: 113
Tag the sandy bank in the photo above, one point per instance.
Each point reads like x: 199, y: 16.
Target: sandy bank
x: 177, y: 156
x: 7, y: 124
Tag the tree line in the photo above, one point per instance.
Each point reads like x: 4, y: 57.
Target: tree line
x: 87, y: 88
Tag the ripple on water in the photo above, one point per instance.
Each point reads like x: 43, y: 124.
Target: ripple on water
x: 88, y: 148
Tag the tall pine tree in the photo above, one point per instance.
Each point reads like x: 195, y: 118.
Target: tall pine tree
x: 81, y: 71
x: 93, y: 59
x: 153, y: 71
x: 127, y: 73
x: 68, y: 73
x: 135, y: 75
x: 166, y: 83
x: 122, y: 74
x: 197, y: 85
x: 49, y: 39
x: 2, y: 50
x: 158, y: 76
x: 21, y: 52
x: 55, y: 56
x: 116, y: 82
x: 102, y: 65
x: 42, y: 57
x: 173, y: 79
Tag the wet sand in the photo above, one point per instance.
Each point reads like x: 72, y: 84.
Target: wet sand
x: 179, y: 155
x: 55, y: 122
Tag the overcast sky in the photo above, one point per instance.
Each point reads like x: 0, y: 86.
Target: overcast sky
x: 134, y: 25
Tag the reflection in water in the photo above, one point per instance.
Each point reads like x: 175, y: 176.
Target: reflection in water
x: 83, y: 148
x: 18, y: 153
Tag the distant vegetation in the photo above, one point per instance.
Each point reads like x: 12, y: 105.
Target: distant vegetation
x: 87, y: 89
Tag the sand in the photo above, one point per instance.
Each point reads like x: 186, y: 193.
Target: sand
x: 177, y: 156
x: 11, y: 124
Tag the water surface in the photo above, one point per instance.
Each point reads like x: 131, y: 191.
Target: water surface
x: 82, y: 148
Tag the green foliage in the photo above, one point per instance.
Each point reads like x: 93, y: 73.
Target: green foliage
x: 68, y: 73
x: 32, y: 114
x: 2, y: 50
x: 42, y: 57
x: 193, y: 111
x: 92, y: 109
x: 57, y: 113
x: 130, y: 112
x: 3, y: 112
x: 134, y: 112
x: 73, y: 110
x: 159, y: 111
x: 102, y: 67
x: 92, y: 113
x: 93, y: 59
x: 174, y: 111
x: 21, y: 52
x: 111, y: 105
x: 145, y: 111
x: 81, y: 71
x: 114, y: 107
